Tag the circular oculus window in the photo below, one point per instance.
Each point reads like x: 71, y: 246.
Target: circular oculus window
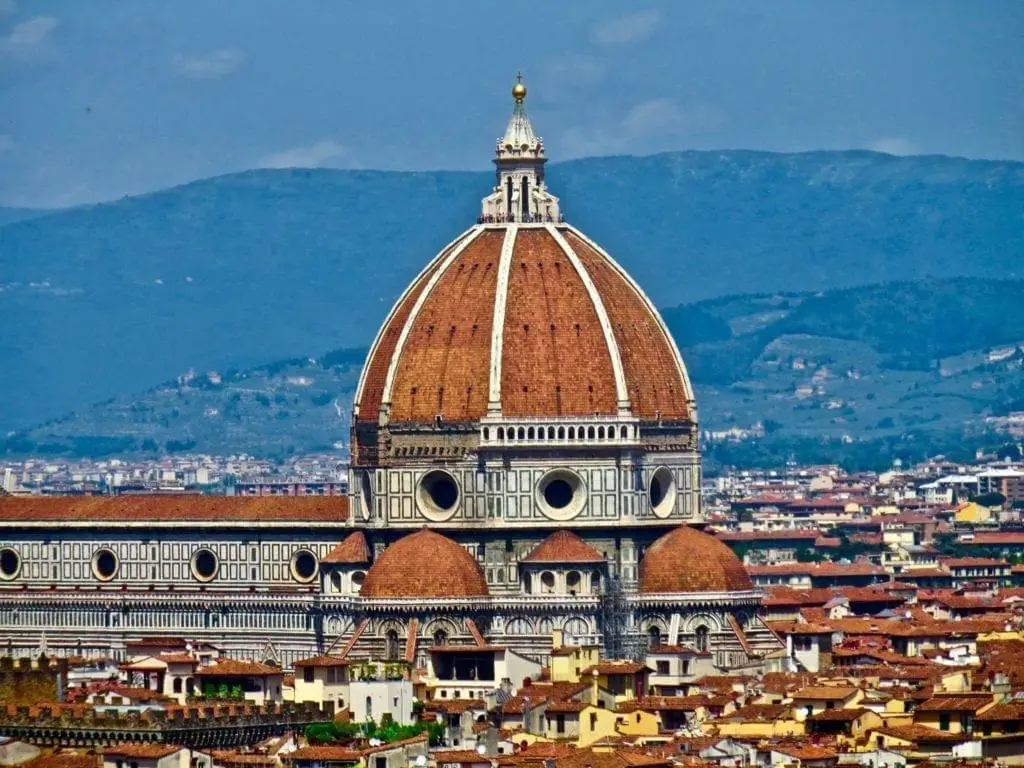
x: 437, y: 496
x: 305, y: 566
x: 561, y: 495
x: 105, y: 564
x: 10, y: 563
x: 662, y: 492
x: 204, y: 564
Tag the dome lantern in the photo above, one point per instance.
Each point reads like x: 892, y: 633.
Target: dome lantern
x: 520, y: 194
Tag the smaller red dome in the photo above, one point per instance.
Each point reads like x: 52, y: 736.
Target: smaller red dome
x: 425, y: 564
x: 686, y: 560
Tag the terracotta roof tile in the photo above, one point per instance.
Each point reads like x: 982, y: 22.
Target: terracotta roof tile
x: 143, y: 751
x: 352, y: 550
x: 237, y: 668
x: 376, y: 368
x: 922, y: 733
x: 664, y: 704
x: 686, y: 560
x: 563, y: 546
x: 655, y: 387
x: 322, y: 661
x: 322, y: 753
x: 425, y: 564
x: 445, y: 364
x: 825, y: 692
x: 555, y: 360
x: 193, y: 508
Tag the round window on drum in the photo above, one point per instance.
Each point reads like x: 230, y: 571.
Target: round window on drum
x: 204, y: 564
x: 304, y: 566
x: 105, y: 564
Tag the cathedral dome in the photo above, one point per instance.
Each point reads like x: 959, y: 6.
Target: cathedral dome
x: 424, y: 564
x: 686, y: 560
x: 521, y: 317
x: 526, y: 321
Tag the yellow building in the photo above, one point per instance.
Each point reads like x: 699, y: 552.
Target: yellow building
x: 757, y: 721
x: 953, y: 712
x: 322, y: 679
x: 972, y: 512
x: 624, y: 680
x: 819, y: 698
x: 569, y: 661
x: 584, y: 724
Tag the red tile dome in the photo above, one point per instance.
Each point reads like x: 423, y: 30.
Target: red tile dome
x: 526, y: 321
x: 686, y: 560
x: 425, y: 564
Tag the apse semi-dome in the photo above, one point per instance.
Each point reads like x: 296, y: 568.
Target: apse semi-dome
x: 686, y: 560
x: 424, y: 564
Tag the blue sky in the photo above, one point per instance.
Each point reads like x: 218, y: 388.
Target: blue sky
x: 104, y: 98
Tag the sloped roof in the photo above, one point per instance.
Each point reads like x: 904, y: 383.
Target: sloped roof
x: 352, y: 550
x: 563, y: 547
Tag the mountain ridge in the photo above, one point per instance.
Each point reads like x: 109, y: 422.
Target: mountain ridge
x: 238, y: 269
x: 806, y: 393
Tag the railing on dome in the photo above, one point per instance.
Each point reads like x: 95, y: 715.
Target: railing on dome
x: 559, y: 432
x: 512, y: 218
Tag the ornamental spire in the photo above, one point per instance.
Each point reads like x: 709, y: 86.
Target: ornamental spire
x: 520, y: 194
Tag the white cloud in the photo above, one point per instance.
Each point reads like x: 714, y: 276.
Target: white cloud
x: 894, y: 146
x: 7, y: 8
x: 648, y: 126
x: 626, y: 29
x: 653, y: 116
x: 312, y: 156
x: 208, y: 66
x: 578, y: 68
x: 29, y: 36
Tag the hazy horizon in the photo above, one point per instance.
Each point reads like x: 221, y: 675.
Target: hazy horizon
x: 108, y: 99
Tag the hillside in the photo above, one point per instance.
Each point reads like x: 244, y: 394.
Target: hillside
x: 240, y: 269
x: 9, y: 215
x: 844, y: 373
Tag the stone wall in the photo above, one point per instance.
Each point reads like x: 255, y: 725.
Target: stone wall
x: 30, y: 681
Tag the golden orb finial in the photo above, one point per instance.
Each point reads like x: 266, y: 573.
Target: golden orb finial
x: 519, y: 90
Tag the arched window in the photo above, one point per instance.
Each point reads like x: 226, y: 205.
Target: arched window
x: 572, y: 582
x: 600, y: 433
x: 440, y: 637
x: 501, y: 433
x: 547, y: 583
x: 487, y: 433
x: 177, y: 685
x: 653, y: 637
x: 336, y: 581
x: 369, y: 708
x: 561, y: 433
x: 551, y: 433
x: 529, y: 434
x: 700, y: 638
x: 508, y: 203
x: 526, y: 197
x: 624, y: 432
x: 590, y: 433
x: 522, y: 434
x: 572, y: 433
x: 391, y: 645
